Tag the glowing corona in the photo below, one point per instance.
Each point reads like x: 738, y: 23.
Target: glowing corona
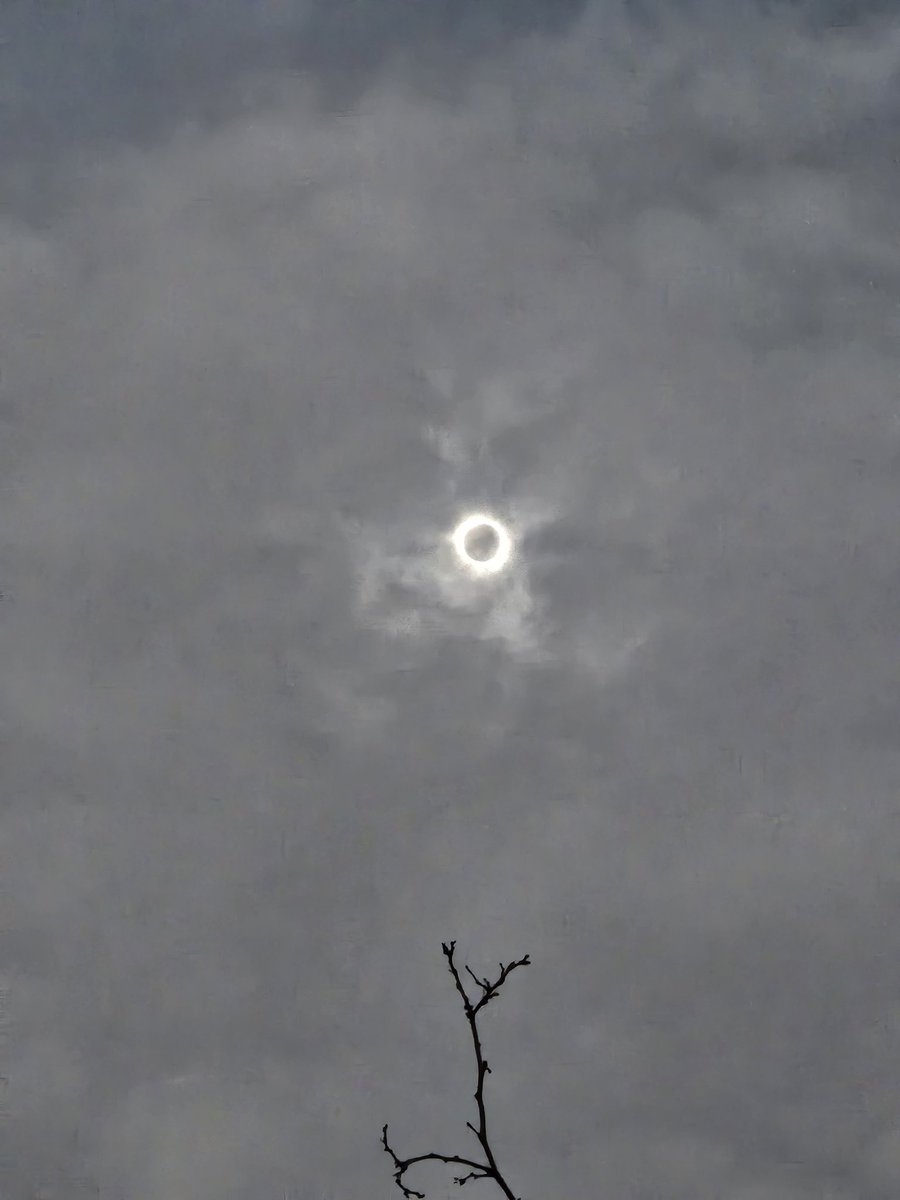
x: 500, y: 557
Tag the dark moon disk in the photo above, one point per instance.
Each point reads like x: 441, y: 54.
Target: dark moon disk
x: 482, y: 543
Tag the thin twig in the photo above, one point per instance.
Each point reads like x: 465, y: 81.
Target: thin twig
x: 489, y: 1168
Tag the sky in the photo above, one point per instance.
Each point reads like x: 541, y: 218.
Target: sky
x: 287, y: 290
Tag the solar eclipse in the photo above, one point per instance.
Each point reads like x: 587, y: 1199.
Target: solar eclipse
x: 482, y: 544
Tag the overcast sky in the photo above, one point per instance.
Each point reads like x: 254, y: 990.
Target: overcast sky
x: 286, y: 290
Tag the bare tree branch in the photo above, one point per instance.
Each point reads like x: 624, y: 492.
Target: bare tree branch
x: 489, y: 1168
x: 403, y: 1164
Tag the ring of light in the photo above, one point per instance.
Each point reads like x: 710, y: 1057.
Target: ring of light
x: 500, y: 557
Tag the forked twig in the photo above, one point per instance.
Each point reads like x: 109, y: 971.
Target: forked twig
x: 480, y: 1170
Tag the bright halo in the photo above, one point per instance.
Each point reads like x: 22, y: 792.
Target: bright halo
x: 482, y: 566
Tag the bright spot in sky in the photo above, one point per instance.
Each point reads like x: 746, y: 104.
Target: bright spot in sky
x: 482, y: 543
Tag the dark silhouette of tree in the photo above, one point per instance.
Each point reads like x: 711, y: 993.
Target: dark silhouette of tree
x: 480, y: 1170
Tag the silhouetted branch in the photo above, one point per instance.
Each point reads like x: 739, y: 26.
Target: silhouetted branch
x: 403, y: 1164
x: 489, y: 1168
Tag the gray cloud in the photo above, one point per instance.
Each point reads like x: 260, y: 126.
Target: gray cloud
x: 628, y: 280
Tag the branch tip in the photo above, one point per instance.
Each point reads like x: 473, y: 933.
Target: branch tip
x: 480, y: 1170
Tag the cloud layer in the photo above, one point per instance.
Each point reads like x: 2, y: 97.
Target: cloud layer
x: 629, y: 280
